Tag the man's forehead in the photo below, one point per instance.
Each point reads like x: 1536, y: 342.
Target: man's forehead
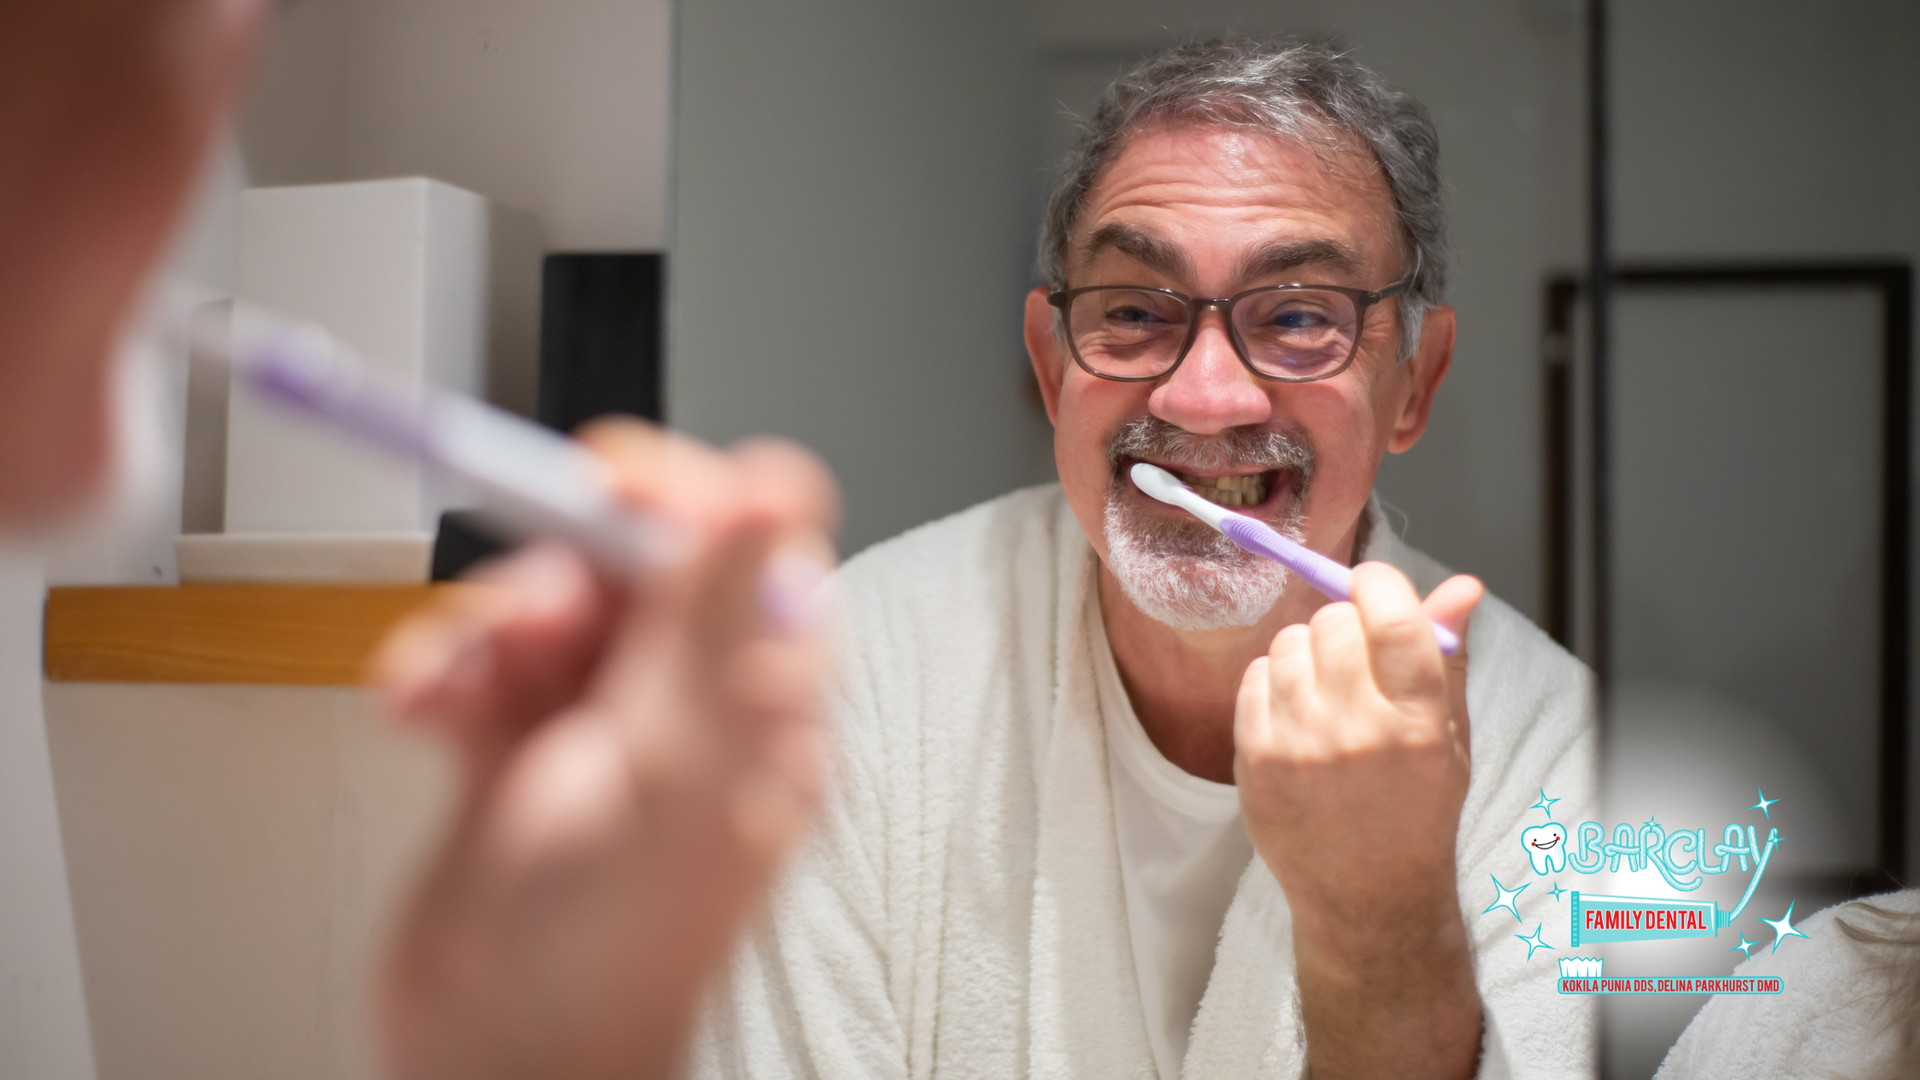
x: 1283, y: 202
x: 1235, y: 160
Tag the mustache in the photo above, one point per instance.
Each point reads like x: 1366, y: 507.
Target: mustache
x: 1235, y: 449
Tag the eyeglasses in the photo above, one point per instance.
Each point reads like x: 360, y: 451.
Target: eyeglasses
x: 1286, y: 333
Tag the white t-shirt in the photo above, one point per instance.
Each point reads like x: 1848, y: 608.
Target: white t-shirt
x: 1183, y: 850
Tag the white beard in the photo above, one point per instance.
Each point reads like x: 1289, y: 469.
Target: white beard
x: 1178, y: 570
x: 1188, y: 576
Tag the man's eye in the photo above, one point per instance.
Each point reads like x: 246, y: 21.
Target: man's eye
x: 1299, y: 319
x: 1133, y: 315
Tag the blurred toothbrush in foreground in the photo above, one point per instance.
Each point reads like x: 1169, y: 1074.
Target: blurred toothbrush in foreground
x: 529, y: 481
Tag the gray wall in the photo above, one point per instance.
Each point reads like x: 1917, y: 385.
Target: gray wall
x: 558, y: 107
x: 849, y: 248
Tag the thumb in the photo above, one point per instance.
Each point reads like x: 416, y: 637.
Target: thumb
x: 1451, y: 605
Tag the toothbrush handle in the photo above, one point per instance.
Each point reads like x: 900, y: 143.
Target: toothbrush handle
x: 1330, y: 578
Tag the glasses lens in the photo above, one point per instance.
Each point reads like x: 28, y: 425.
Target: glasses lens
x: 1296, y: 333
x: 1132, y: 333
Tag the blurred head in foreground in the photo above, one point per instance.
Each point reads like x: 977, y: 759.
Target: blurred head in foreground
x: 107, y: 111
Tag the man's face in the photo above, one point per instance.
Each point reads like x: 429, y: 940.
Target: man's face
x: 1212, y: 212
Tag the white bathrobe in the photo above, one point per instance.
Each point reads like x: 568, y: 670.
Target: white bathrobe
x: 960, y: 911
x: 1834, y: 1016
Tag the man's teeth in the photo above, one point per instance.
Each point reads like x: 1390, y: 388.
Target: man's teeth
x: 1229, y: 490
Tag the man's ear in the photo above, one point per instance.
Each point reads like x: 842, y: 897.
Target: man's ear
x: 1428, y: 369
x: 1043, y: 348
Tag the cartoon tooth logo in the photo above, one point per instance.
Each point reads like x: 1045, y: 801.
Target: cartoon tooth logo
x: 1546, y: 847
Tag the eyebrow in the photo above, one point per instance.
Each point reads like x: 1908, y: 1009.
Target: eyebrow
x: 1144, y: 248
x: 1278, y: 258
x: 1266, y: 260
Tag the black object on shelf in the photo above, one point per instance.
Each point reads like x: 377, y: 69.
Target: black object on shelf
x: 462, y: 541
x: 601, y: 315
x: 600, y: 336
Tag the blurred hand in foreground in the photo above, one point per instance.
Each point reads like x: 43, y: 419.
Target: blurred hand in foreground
x: 636, y: 761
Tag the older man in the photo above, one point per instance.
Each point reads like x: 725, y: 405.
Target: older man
x: 1120, y: 800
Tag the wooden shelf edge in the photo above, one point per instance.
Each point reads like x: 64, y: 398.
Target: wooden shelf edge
x: 273, y: 635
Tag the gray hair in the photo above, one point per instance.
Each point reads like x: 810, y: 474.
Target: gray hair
x: 1286, y: 87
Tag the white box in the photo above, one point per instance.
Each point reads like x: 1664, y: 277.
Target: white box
x: 431, y: 284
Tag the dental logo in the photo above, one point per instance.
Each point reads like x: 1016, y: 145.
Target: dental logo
x: 1684, y: 860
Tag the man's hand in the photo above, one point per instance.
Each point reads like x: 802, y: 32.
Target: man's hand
x: 636, y: 763
x: 1352, y: 764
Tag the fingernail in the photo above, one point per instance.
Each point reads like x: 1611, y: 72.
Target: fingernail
x: 793, y: 590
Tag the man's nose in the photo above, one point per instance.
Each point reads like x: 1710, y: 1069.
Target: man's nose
x: 1211, y: 390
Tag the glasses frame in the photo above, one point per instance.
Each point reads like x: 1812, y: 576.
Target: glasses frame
x: 1362, y: 300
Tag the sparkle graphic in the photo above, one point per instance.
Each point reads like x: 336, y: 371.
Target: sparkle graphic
x: 1535, y: 941
x: 1651, y: 822
x: 1556, y: 892
x: 1762, y: 806
x: 1745, y: 948
x: 1504, y: 897
x: 1545, y: 805
x: 1783, y: 928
